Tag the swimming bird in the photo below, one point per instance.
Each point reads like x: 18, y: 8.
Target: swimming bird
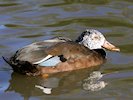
x: 61, y: 54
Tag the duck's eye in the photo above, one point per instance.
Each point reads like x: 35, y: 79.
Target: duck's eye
x: 96, y: 37
x: 88, y: 32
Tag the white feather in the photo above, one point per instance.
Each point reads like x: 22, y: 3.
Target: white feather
x: 44, y: 59
x: 51, y: 62
x: 45, y: 89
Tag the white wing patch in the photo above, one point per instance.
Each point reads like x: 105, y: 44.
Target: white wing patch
x: 44, y: 59
x: 49, y: 61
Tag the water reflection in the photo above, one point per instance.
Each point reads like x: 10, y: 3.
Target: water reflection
x: 93, y: 82
x: 56, y: 84
x: 44, y: 89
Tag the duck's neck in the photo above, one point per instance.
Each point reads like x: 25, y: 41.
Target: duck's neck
x: 101, y: 52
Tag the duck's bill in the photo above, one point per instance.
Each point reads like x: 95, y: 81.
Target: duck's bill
x: 110, y: 46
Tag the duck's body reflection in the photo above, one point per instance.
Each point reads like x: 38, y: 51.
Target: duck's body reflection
x: 60, y: 83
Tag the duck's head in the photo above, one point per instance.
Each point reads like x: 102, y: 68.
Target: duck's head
x: 94, y: 39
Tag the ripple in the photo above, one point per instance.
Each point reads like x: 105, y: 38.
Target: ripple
x: 13, y: 25
x: 31, y: 36
x: 9, y: 4
x: 127, y: 48
x: 68, y: 2
x: 56, y: 4
x: 94, y: 22
x: 119, y: 75
x: 2, y: 46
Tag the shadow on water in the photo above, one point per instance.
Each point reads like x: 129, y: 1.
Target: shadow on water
x: 61, y: 83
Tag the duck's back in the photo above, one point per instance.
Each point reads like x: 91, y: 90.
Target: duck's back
x: 36, y: 51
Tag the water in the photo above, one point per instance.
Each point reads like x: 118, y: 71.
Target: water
x: 25, y: 21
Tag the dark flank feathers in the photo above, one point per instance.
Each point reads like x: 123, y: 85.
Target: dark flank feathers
x: 23, y: 67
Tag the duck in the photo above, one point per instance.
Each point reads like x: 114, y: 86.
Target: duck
x: 61, y: 54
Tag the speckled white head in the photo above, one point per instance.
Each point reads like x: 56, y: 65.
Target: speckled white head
x: 94, y: 39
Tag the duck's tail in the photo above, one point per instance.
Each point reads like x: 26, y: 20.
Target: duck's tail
x: 6, y: 60
x: 23, y: 67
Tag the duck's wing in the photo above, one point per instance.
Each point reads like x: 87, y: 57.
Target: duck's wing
x: 36, y: 51
x: 62, y: 52
x: 33, y: 52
